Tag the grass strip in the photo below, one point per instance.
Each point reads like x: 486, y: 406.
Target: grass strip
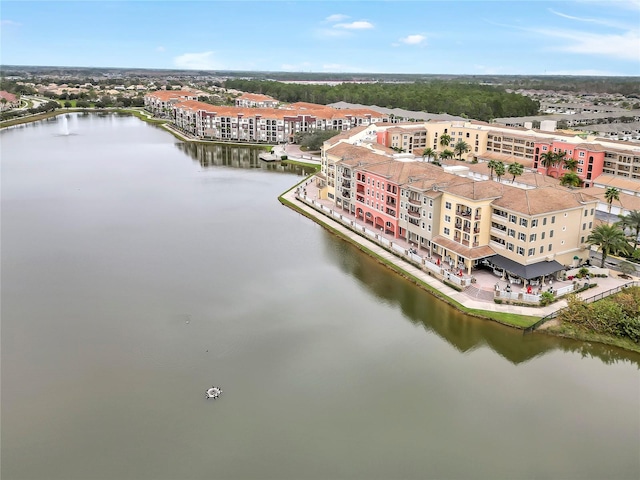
x: 509, y: 319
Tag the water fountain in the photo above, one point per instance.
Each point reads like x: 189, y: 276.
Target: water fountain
x: 64, y: 126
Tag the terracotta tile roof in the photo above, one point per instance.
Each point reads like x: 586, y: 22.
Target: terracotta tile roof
x: 256, y: 97
x: 537, y: 201
x: 353, y: 155
x: 628, y: 202
x: 466, y: 252
x: 482, y: 190
x: 506, y: 159
x: 617, y: 182
x: 9, y: 97
x: 170, y: 94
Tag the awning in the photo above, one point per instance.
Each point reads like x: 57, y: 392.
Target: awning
x: 526, y: 271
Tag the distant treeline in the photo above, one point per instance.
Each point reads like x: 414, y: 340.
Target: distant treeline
x: 481, y: 102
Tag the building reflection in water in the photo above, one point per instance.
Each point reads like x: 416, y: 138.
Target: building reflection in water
x: 463, y: 332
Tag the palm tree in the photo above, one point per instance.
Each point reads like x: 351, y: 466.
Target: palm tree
x: 570, y: 179
x: 610, y: 195
x: 446, y: 155
x: 609, y: 239
x: 571, y: 164
x: 445, y: 140
x: 548, y: 160
x: 500, y: 170
x: 461, y: 147
x: 429, y: 153
x: 631, y: 221
x: 492, y: 166
x: 516, y: 169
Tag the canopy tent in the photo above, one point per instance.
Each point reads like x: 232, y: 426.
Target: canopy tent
x: 526, y: 271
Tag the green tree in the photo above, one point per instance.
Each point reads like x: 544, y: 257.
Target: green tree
x: 447, y: 155
x: 492, y: 166
x: 631, y: 221
x: 445, y: 140
x: 461, y: 147
x: 571, y: 164
x: 570, y: 179
x: 500, y: 170
x: 430, y: 154
x: 516, y: 169
x: 610, y: 195
x: 548, y: 160
x: 609, y: 239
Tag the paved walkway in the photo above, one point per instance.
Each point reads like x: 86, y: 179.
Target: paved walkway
x: 478, y: 296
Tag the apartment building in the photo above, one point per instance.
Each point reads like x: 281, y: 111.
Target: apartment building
x: 161, y: 102
x: 8, y: 101
x: 268, y: 125
x: 256, y: 100
x: 462, y: 221
x: 589, y: 158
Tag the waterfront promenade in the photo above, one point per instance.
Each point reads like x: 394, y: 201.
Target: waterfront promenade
x: 479, y: 295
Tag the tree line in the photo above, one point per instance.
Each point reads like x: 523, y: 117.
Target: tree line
x: 481, y: 102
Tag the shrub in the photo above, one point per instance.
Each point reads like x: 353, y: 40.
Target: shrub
x: 584, y: 271
x: 284, y: 157
x: 546, y: 298
x: 497, y: 300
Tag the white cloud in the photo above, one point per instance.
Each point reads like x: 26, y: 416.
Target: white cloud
x: 9, y: 23
x: 416, y: 39
x: 160, y: 48
x: 196, y: 61
x: 359, y: 25
x: 622, y: 46
x: 336, y: 17
x: 597, y: 21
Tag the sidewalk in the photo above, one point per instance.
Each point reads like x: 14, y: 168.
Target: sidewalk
x: 478, y: 296
x: 421, y: 275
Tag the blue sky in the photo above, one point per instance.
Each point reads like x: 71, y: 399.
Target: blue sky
x: 583, y: 37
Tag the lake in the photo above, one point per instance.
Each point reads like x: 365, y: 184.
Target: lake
x: 137, y: 271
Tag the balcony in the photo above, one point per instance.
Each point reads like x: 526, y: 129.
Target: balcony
x: 346, y: 184
x: 478, y: 216
x: 360, y: 198
x: 360, y: 189
x: 414, y: 213
x: 346, y: 195
x: 463, y: 213
x: 414, y: 201
x: 390, y: 201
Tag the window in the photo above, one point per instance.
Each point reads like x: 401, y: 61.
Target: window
x: 510, y: 246
x: 592, y: 211
x: 520, y: 251
x: 590, y: 224
x: 534, y: 223
x: 513, y: 219
x: 532, y: 252
x: 511, y: 233
x: 542, y: 249
x: 564, y: 229
x: 581, y: 154
x: 553, y: 219
x: 429, y: 215
x: 544, y: 221
x: 542, y: 236
x: 584, y: 226
x: 586, y: 212
x: 431, y: 203
x: 447, y: 218
x: 446, y: 231
x: 429, y: 227
x: 522, y: 237
x: 551, y: 234
x: 447, y: 205
x: 532, y: 237
x: 581, y: 239
x: 550, y: 247
x: 524, y: 222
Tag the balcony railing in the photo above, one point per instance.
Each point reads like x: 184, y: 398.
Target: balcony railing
x: 414, y: 201
x: 414, y: 213
x: 346, y: 184
x: 391, y: 201
x: 346, y: 195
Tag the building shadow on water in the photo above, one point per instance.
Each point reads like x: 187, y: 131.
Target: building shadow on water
x: 463, y: 332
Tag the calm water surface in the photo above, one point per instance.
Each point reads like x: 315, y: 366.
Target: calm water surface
x: 138, y: 271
